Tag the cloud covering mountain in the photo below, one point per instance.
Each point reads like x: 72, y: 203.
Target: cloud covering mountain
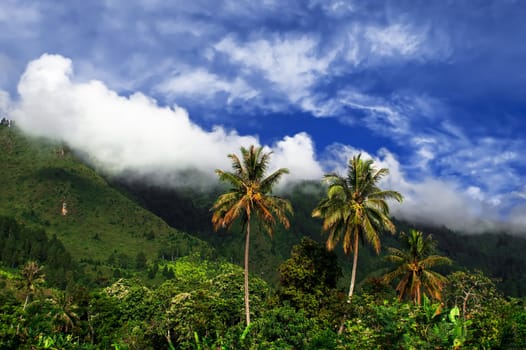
x: 433, y: 91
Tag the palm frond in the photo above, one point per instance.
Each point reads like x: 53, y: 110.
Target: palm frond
x: 270, y: 181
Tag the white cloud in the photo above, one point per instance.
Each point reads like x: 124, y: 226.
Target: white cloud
x: 334, y: 8
x: 475, y: 192
x: 367, y: 45
x: 297, y: 153
x: 291, y: 64
x: 394, y: 40
x: 199, y: 83
x: 383, y: 116
x: 132, y: 134
x: 183, y: 25
x: 430, y: 200
x: 517, y: 219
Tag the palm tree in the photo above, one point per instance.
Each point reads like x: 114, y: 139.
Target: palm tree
x: 250, y: 193
x: 64, y: 314
x: 413, y: 268
x: 356, y: 209
x: 32, y: 278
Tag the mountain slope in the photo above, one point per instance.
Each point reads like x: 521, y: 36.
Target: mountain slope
x: 103, y: 222
x: 497, y: 254
x: 39, y: 178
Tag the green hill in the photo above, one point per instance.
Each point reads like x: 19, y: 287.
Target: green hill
x: 497, y: 254
x: 114, y: 221
x: 38, y: 176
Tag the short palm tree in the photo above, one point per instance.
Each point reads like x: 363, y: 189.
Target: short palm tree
x: 32, y: 278
x: 64, y: 315
x: 250, y: 194
x: 356, y: 209
x: 413, y: 267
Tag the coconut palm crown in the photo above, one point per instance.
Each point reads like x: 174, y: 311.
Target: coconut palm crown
x: 413, y: 267
x: 356, y: 209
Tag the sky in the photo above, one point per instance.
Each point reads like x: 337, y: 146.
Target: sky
x: 433, y: 90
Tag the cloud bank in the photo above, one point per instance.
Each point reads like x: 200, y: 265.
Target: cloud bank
x: 134, y: 135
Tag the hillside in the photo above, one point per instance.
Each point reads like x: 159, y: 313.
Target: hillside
x: 39, y: 178
x: 497, y: 254
x: 108, y: 220
x: 110, y: 274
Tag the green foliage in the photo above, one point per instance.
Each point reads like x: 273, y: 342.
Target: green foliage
x: 515, y: 336
x: 355, y: 209
x: 9, y: 317
x: 497, y: 254
x: 36, y: 182
x: 413, y: 267
x: 200, y: 303
x: 202, y: 308
x: 308, y: 282
x: 280, y: 328
x: 140, y: 261
x: 20, y: 243
x: 482, y: 308
x: 398, y: 325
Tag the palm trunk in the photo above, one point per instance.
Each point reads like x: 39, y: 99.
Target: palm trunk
x: 354, y: 264
x: 353, y: 279
x: 247, y: 245
x: 25, y: 303
x: 23, y: 309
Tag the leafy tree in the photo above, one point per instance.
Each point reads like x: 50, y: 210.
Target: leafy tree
x: 308, y: 281
x: 413, y: 268
x: 250, y: 193
x: 11, y: 314
x: 280, y: 328
x: 355, y: 208
x: 481, y: 307
x: 140, y: 261
x: 516, y: 333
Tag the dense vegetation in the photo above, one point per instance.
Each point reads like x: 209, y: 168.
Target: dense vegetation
x: 498, y: 254
x: 110, y: 274
x: 40, y: 178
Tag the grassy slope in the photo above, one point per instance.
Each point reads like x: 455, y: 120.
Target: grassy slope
x: 35, y: 178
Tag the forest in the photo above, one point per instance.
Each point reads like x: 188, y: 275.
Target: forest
x: 239, y: 266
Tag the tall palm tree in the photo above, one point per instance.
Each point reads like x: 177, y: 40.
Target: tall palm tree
x: 250, y: 194
x: 356, y: 209
x: 413, y: 268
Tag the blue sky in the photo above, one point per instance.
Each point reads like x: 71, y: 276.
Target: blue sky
x: 434, y: 90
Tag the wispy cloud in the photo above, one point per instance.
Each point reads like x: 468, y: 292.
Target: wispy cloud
x: 201, y: 83
x: 394, y: 41
x: 291, y: 64
x: 13, y: 14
